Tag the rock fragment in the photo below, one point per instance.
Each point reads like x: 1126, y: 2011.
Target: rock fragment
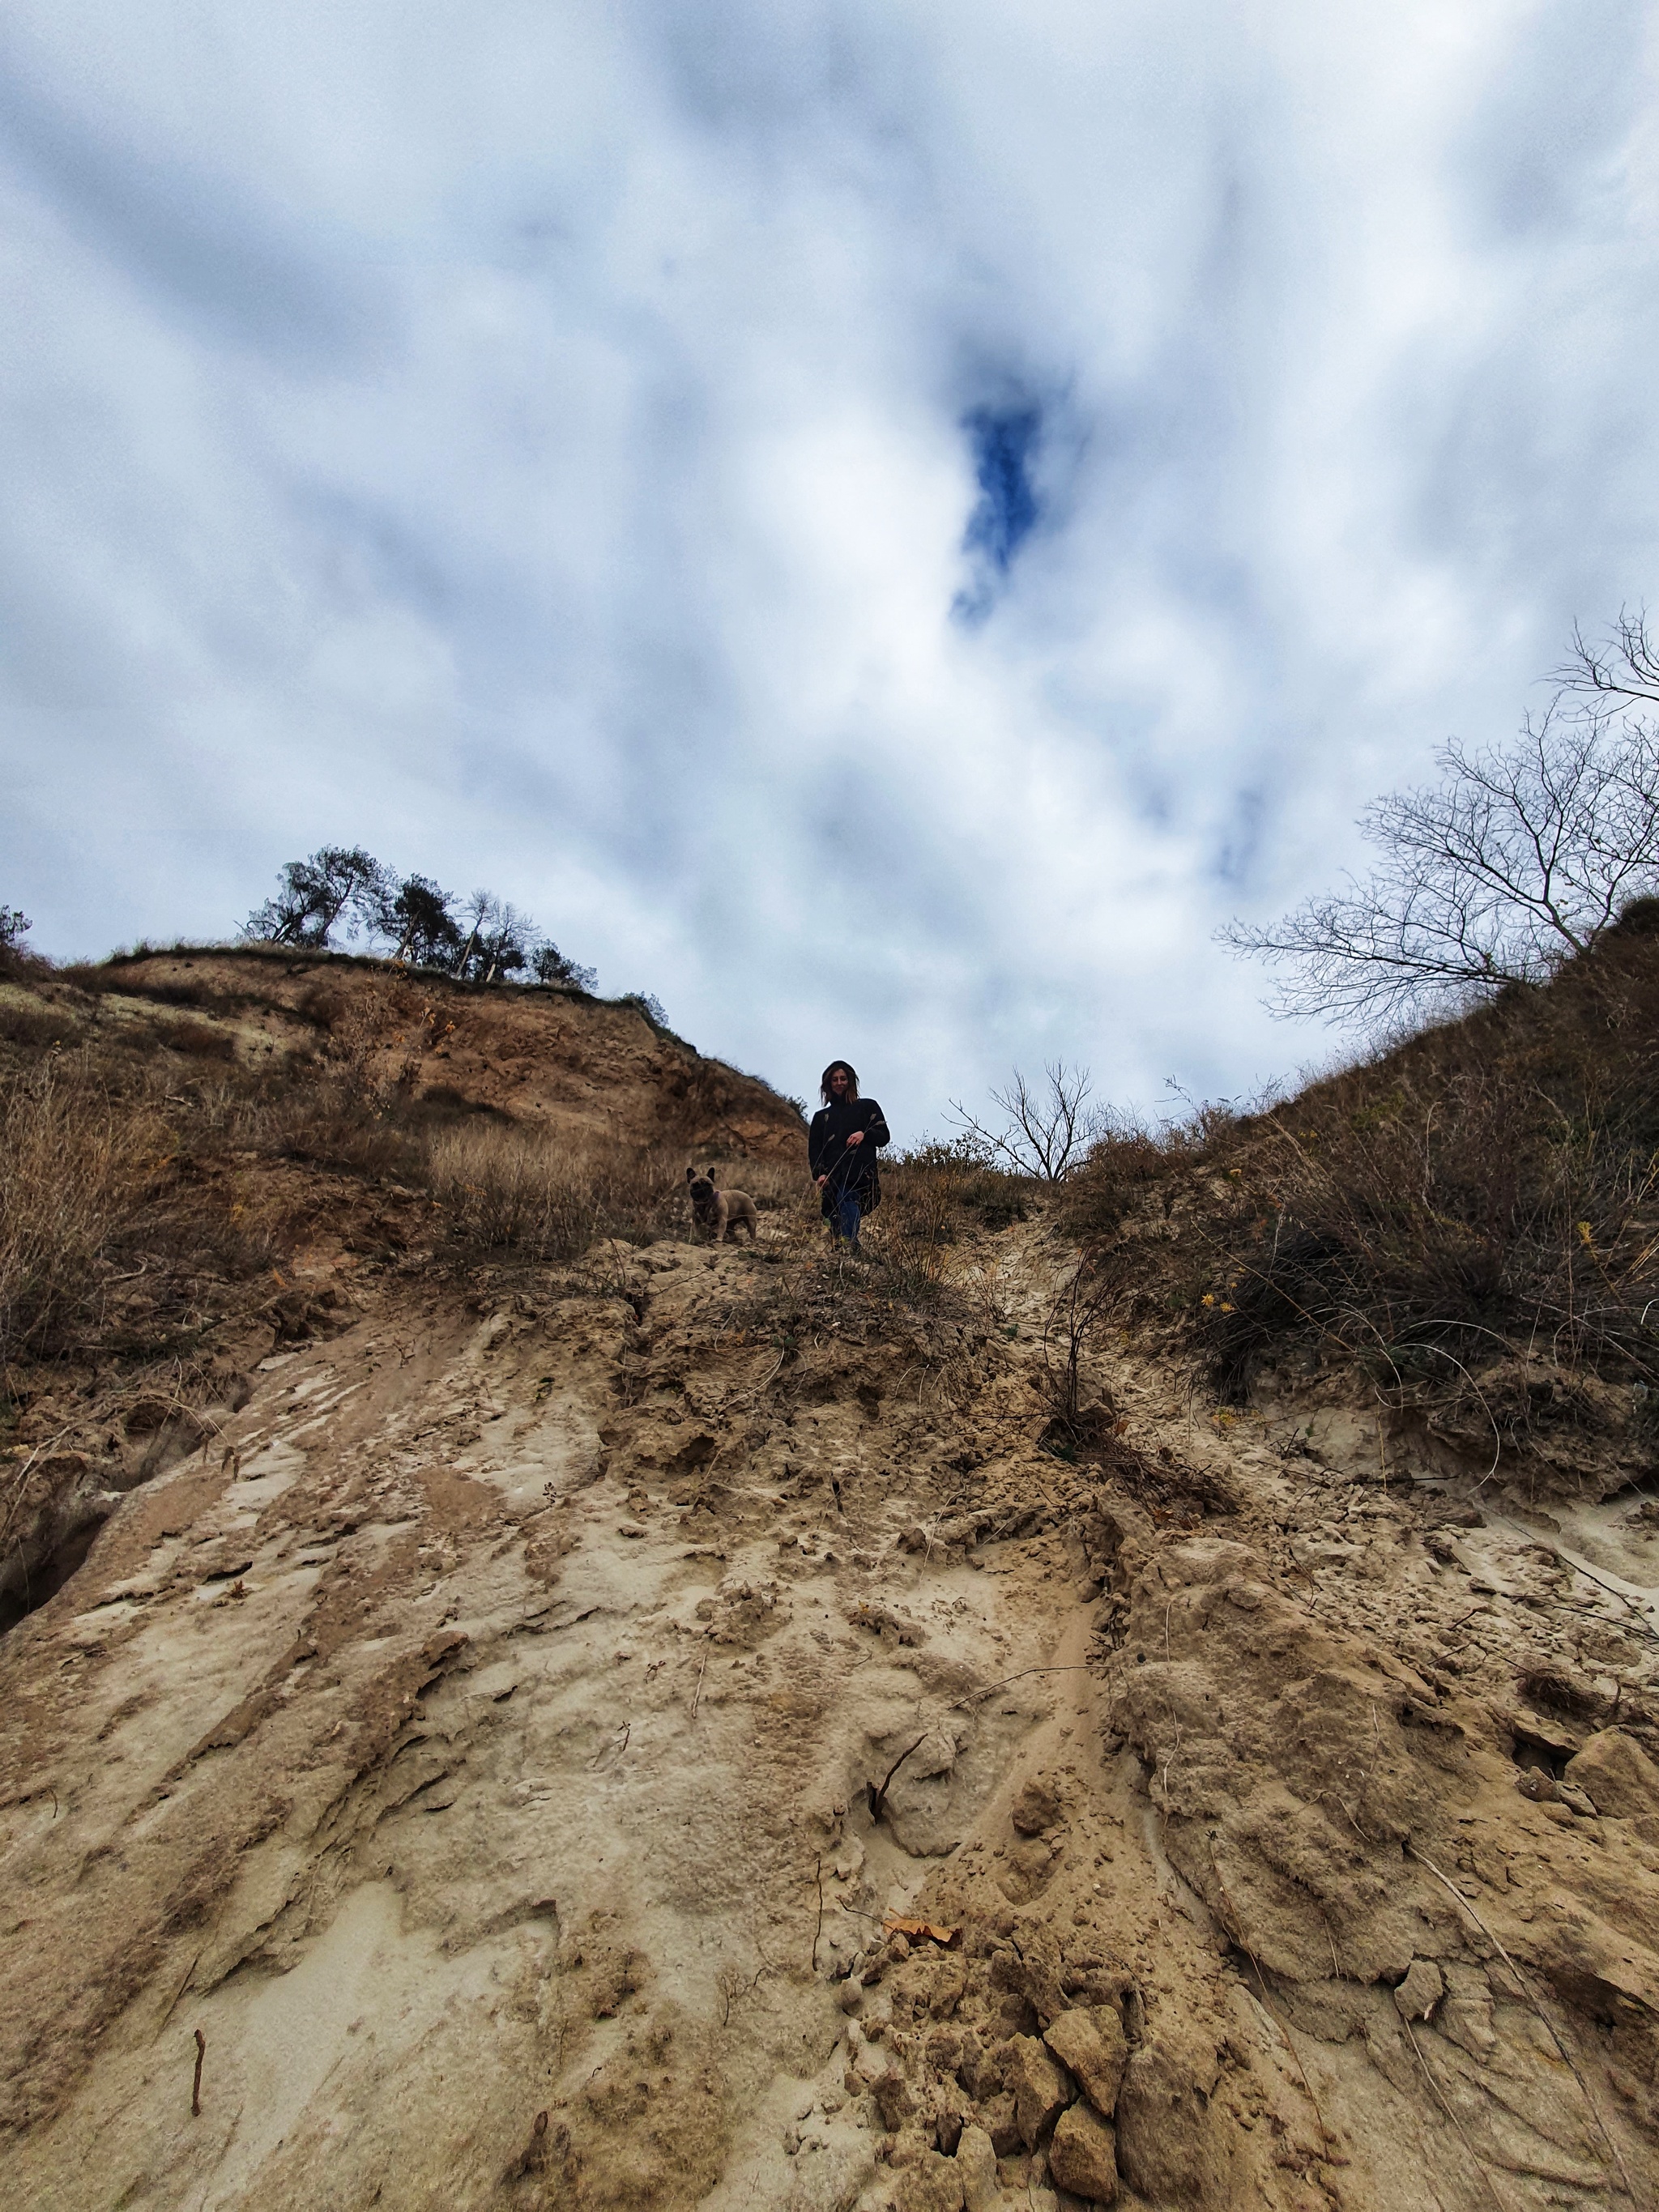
x: 1035, y: 1807
x: 1041, y: 2090
x: 1091, y: 2044
x: 976, y: 2156
x: 1083, y: 2156
x: 935, y: 2184
x: 1421, y: 1991
x: 1616, y: 1774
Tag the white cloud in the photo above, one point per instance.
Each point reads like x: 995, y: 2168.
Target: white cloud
x: 529, y: 441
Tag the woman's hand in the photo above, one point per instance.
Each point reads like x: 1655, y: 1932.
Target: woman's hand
x: 822, y: 1180
x: 855, y: 1137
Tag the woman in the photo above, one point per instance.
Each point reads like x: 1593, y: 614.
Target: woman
x: 841, y: 1149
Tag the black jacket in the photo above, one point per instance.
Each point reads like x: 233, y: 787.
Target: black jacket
x: 848, y: 1170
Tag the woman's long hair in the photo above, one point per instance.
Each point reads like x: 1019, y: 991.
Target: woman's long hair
x: 848, y: 1070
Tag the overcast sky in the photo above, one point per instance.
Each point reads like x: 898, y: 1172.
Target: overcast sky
x: 880, y: 524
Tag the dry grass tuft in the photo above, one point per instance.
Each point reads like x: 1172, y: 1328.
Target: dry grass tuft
x: 505, y: 1190
x: 76, y: 1166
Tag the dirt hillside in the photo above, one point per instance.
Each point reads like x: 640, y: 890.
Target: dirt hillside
x: 556, y: 1060
x: 687, y: 1726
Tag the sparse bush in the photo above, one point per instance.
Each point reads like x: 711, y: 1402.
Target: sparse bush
x: 645, y: 1004
x: 1470, y: 1216
x: 1125, y: 1160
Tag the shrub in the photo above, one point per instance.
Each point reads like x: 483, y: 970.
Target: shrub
x: 328, y: 1121
x: 199, y: 1040
x: 29, y: 1023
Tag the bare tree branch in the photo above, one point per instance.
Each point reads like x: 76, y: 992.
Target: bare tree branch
x: 1522, y: 856
x: 1047, y: 1128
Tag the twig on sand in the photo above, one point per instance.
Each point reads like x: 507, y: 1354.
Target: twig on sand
x: 702, y: 1670
x: 196, y: 2086
x: 817, y: 1925
x: 979, y: 1696
x: 1486, y: 2171
x: 878, y: 1797
x: 1527, y: 1991
x: 178, y: 1993
x: 1266, y: 1996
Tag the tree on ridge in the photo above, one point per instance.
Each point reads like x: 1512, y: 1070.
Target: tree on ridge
x: 314, y: 895
x: 487, y: 941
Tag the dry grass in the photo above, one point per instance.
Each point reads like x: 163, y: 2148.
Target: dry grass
x: 928, y: 1209
x: 504, y: 1190
x: 921, y: 1280
x: 77, y: 1164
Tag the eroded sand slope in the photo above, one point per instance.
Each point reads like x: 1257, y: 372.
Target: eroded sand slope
x: 476, y: 1743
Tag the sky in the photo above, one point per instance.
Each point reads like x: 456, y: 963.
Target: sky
x: 880, y: 524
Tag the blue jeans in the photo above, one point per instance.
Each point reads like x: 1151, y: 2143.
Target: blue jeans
x: 849, y: 1211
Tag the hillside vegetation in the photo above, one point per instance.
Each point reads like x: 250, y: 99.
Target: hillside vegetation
x: 1462, y: 1231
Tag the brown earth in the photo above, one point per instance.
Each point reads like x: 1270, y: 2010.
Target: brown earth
x: 502, y: 1726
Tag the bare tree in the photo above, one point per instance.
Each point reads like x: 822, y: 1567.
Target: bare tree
x: 1523, y: 855
x: 1049, y: 1128
x: 506, y: 946
x: 478, y: 914
x: 500, y: 940
x: 1624, y: 668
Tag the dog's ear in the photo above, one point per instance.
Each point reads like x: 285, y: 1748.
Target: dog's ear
x: 691, y: 1175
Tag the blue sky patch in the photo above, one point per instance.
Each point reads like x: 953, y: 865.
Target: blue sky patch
x: 1004, y: 440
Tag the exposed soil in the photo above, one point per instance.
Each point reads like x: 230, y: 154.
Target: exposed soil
x: 505, y: 1736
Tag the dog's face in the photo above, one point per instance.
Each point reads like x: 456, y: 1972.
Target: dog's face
x: 700, y: 1188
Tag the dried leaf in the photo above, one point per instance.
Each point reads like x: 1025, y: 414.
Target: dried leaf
x: 894, y: 1923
